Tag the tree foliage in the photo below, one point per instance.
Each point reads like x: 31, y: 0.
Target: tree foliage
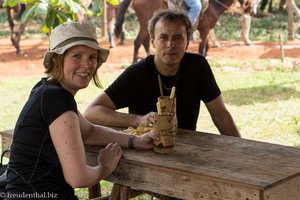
x: 56, y: 12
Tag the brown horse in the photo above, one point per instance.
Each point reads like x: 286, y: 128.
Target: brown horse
x: 144, y: 10
x: 15, y: 34
x: 211, y: 16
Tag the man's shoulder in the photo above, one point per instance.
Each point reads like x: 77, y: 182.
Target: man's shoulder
x: 194, y: 61
x: 196, y: 56
x: 144, y: 64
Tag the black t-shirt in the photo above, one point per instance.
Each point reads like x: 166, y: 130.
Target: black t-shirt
x: 137, y: 88
x: 34, y: 167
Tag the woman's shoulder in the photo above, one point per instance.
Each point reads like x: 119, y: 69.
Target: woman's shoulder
x: 55, y: 89
x: 50, y: 91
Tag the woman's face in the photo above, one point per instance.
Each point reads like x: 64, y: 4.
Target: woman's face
x: 79, y: 66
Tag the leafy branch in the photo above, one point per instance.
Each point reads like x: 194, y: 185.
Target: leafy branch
x: 56, y: 12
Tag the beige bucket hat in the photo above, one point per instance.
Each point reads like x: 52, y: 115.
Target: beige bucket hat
x: 71, y: 34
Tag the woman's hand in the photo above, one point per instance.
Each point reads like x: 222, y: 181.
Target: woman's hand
x: 145, y: 141
x: 109, y: 158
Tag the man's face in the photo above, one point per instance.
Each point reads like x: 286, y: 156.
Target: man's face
x: 170, y: 41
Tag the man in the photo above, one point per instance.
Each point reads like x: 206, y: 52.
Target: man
x: 137, y: 87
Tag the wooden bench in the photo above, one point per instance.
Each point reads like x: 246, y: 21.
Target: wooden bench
x: 6, y: 139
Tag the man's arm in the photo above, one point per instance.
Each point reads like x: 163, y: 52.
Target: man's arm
x: 222, y: 118
x: 103, y: 111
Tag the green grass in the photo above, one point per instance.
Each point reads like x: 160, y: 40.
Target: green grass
x: 265, y: 105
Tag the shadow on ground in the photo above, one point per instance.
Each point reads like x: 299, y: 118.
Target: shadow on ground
x: 261, y: 94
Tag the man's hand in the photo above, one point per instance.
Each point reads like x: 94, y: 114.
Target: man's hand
x: 147, y: 120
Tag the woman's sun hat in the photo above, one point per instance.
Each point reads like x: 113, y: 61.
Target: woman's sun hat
x: 70, y: 34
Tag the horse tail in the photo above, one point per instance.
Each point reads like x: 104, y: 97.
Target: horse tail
x: 121, y: 16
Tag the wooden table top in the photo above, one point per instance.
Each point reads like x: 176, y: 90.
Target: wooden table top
x: 222, y: 162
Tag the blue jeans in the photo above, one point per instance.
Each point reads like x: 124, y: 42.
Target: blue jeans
x: 194, y: 8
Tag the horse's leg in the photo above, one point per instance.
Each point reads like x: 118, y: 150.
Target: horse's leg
x: 146, y: 44
x: 120, y: 29
x: 122, y: 37
x: 270, y: 8
x: 246, y: 23
x: 213, y: 38
x: 111, y: 13
x: 142, y: 38
x: 120, y: 16
x: 204, y: 27
x: 143, y: 18
x: 263, y: 4
x: 203, y: 47
x: 137, y: 45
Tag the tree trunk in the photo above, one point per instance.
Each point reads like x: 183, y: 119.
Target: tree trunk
x: 104, y: 19
x: 291, y: 34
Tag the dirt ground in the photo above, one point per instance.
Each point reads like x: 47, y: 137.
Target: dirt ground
x: 30, y: 62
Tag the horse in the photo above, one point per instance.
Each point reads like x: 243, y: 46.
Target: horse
x: 144, y: 10
x: 15, y: 34
x: 206, y: 20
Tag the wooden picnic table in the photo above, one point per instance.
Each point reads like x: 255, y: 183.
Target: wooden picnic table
x: 210, y: 166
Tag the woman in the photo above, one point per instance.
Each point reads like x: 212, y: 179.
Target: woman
x: 47, y: 154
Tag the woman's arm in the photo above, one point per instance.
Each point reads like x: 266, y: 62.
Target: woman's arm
x: 68, y: 142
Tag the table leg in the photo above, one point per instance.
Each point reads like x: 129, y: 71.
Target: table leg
x: 121, y: 192
x: 95, y: 191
